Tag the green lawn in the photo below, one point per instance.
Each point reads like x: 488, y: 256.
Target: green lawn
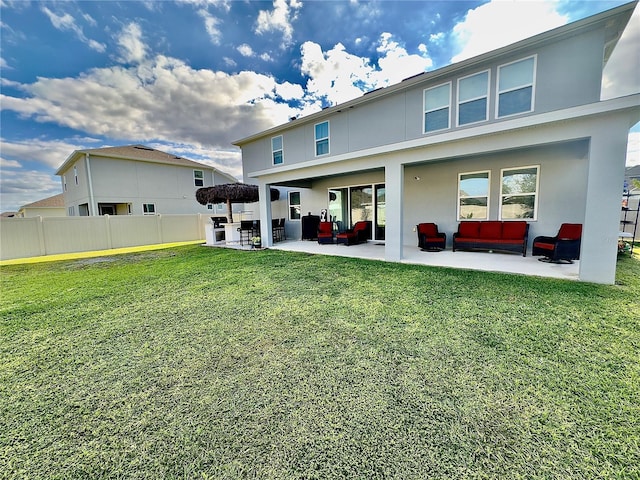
x: 195, y: 362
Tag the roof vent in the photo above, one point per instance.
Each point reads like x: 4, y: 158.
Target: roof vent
x: 142, y: 147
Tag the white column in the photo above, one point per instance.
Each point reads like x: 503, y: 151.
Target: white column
x: 607, y: 156
x: 394, y: 188
x: 264, y: 192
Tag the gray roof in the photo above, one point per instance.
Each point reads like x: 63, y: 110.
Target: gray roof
x: 57, y: 201
x: 140, y: 153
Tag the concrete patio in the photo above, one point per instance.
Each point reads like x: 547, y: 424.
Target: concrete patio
x: 485, y: 261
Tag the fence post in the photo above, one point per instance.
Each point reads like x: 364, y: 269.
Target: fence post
x: 107, y: 219
x: 159, y: 224
x: 40, y: 226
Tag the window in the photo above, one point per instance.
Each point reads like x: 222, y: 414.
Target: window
x: 473, y: 94
x: 437, y: 101
x: 473, y: 195
x: 198, y: 178
x: 75, y: 174
x: 294, y: 205
x: 72, y: 211
x: 519, y: 193
x: 277, y: 150
x: 322, y: 138
x: 515, y: 87
x: 149, y: 208
x: 64, y: 182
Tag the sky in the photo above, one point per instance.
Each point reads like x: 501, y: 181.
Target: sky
x: 190, y: 77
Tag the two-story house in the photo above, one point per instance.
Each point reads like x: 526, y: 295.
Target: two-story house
x: 520, y: 132
x: 135, y: 180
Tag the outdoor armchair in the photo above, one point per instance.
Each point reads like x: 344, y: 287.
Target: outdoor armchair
x: 429, y: 238
x: 564, y: 247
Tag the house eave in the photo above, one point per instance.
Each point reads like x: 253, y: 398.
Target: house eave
x: 630, y: 103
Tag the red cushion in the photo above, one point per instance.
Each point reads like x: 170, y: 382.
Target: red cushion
x: 490, y: 229
x: 325, y: 227
x: 428, y: 229
x: 468, y: 229
x: 546, y: 246
x: 514, y: 230
x: 360, y: 226
x: 570, y: 231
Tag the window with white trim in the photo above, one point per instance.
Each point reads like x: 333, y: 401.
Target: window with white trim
x: 64, y: 182
x: 473, y: 98
x: 473, y: 195
x: 519, y: 193
x: 322, y: 138
x: 277, y: 150
x: 72, y: 211
x: 294, y: 206
x: 516, y: 87
x: 149, y: 208
x: 75, y: 174
x: 437, y: 105
x: 198, y: 178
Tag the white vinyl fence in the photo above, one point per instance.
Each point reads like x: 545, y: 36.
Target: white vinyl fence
x: 31, y: 237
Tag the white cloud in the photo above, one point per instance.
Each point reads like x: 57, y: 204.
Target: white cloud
x: 161, y: 98
x: 4, y: 163
x: 67, y: 23
x: 20, y: 187
x: 132, y: 48
x: 338, y: 76
x: 211, y: 25
x: 499, y: 23
x: 245, y: 50
x: 48, y: 153
x: 279, y: 19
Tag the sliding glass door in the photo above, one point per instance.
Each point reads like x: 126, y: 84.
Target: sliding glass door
x: 348, y: 205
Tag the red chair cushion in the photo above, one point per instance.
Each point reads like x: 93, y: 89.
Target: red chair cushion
x: 570, y: 231
x: 468, y: 229
x: 428, y: 229
x: 325, y: 227
x: 545, y: 246
x: 514, y: 230
x: 359, y: 226
x: 491, y: 229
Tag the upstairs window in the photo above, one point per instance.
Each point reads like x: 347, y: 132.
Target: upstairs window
x: 473, y: 195
x: 322, y: 138
x: 437, y: 104
x: 519, y: 193
x: 64, y: 182
x: 516, y: 87
x: 198, y: 178
x: 473, y: 95
x: 75, y: 174
x: 277, y: 150
x: 294, y: 206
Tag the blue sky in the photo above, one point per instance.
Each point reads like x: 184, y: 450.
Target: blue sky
x: 190, y: 77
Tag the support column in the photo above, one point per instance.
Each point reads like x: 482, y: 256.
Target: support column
x: 394, y: 196
x: 607, y: 156
x: 264, y: 192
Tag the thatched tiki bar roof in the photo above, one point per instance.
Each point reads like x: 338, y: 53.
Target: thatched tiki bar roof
x: 230, y: 193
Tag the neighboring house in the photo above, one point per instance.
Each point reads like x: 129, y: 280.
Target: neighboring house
x: 47, y: 207
x: 519, y: 132
x: 8, y: 214
x: 135, y: 180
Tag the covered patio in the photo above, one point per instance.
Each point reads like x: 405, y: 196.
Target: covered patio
x: 484, y: 261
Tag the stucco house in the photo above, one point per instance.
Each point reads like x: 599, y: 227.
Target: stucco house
x: 47, y: 207
x: 135, y: 180
x: 520, y: 132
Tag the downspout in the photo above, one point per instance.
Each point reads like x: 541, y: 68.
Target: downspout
x: 92, y: 207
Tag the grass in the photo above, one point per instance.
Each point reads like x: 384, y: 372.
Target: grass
x: 211, y: 363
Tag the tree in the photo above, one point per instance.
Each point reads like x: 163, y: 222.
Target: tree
x: 231, y: 193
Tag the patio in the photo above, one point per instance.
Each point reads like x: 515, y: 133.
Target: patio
x: 491, y: 262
